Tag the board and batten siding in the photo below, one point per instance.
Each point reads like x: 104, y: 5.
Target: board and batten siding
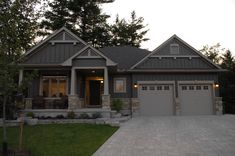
x: 100, y: 62
x: 175, y: 63
x: 173, y: 77
x: 53, y: 54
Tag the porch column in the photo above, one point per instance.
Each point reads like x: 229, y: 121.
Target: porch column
x: 73, y: 97
x: 20, y: 76
x: 73, y: 82
x: 106, y: 82
x: 106, y: 96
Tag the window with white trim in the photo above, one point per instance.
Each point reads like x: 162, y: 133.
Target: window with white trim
x: 119, y: 85
x: 54, y: 86
x: 174, y: 48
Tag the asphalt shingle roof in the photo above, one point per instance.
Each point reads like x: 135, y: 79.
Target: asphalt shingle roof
x: 125, y: 56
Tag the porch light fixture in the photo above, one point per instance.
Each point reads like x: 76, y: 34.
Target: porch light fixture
x: 135, y: 85
x: 93, y: 71
x: 216, y: 85
x: 101, y: 81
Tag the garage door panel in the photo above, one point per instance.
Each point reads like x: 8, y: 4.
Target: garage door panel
x: 196, y: 99
x: 156, y: 99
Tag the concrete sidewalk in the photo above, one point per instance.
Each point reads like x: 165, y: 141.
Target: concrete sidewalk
x: 173, y: 136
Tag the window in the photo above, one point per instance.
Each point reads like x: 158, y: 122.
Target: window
x: 151, y: 88
x: 144, y: 87
x: 159, y: 87
x: 54, y: 86
x: 184, y: 87
x: 174, y: 49
x: 191, y: 87
x: 198, y: 87
x: 166, y: 88
x: 205, y: 87
x: 119, y: 85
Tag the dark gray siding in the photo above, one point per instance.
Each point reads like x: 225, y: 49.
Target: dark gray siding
x: 53, y: 54
x: 128, y: 86
x: 69, y: 37
x: 173, y: 77
x: 50, y: 54
x: 183, y: 49
x: 86, y: 52
x: 33, y: 88
x: 175, y: 63
x: 89, y: 62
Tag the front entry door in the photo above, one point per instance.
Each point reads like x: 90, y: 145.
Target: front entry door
x: 94, y: 87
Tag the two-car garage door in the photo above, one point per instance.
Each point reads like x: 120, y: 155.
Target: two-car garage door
x: 158, y: 99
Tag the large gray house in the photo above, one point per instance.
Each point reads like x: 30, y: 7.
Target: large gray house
x: 173, y: 79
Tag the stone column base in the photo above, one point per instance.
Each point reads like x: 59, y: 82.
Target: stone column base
x: 218, y: 106
x: 74, y: 102
x: 106, y: 102
x: 135, y: 106
x: 28, y: 103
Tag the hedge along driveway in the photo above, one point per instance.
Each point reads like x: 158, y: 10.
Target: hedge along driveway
x: 61, y: 139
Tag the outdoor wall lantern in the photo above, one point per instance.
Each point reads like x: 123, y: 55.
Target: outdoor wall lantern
x: 135, y: 85
x: 216, y: 85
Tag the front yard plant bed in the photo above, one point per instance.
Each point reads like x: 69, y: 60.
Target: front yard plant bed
x: 60, y: 139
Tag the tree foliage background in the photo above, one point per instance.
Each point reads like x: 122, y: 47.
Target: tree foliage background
x: 224, y: 58
x: 86, y: 19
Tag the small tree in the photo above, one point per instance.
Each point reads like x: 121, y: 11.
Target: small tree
x: 17, y: 31
x: 213, y: 52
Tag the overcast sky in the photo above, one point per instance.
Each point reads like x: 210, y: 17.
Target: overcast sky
x: 198, y: 22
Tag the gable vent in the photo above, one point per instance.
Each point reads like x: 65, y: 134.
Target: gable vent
x: 174, y: 49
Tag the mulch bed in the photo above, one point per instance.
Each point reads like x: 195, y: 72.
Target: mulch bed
x: 17, y: 153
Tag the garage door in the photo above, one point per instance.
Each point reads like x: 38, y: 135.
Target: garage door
x: 196, y: 99
x: 156, y: 99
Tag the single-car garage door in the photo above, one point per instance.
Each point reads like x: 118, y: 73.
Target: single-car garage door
x: 196, y: 99
x: 156, y: 99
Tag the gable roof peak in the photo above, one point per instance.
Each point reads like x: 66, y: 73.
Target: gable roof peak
x: 53, y: 34
x: 182, y: 41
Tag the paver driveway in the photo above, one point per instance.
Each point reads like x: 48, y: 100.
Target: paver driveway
x: 173, y: 136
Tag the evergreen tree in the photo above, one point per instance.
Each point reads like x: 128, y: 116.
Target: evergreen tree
x: 228, y: 61
x: 84, y: 18
x: 56, y: 18
x: 128, y: 33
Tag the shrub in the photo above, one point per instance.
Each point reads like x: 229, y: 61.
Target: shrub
x: 71, y: 115
x: 117, y: 105
x: 84, y: 116
x: 30, y: 114
x: 96, y: 115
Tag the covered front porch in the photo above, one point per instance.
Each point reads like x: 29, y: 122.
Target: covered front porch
x: 77, y: 88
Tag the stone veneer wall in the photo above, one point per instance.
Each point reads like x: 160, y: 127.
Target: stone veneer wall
x: 74, y: 102
x: 106, y: 102
x: 218, y: 106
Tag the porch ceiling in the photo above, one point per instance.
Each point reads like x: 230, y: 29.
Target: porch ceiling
x: 91, y: 72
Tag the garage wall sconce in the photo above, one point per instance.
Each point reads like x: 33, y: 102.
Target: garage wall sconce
x: 135, y: 85
x: 216, y: 85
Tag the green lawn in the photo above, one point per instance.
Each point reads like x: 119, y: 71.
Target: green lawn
x: 60, y: 140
